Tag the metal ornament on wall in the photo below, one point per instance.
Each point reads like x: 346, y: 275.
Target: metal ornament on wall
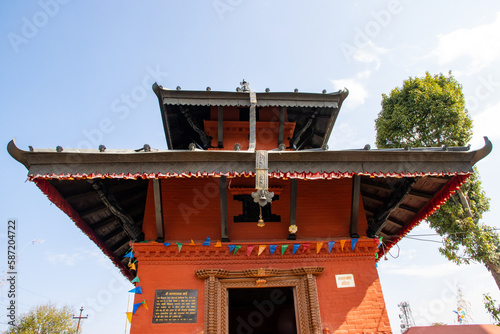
x: 262, y: 195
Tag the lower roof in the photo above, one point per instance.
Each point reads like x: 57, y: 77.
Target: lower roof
x: 399, y: 187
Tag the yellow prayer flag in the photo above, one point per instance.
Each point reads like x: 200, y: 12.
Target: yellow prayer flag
x: 261, y: 249
x: 342, y: 243
x: 192, y: 242
x: 132, y: 266
x: 144, y: 303
x: 319, y: 245
x: 129, y: 317
x: 218, y: 244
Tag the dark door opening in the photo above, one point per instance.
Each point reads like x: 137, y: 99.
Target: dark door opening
x: 262, y: 311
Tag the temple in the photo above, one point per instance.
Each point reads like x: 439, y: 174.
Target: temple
x: 247, y: 223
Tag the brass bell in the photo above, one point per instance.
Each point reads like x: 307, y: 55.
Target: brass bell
x: 261, y: 223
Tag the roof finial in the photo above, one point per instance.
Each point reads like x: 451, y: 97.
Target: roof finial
x: 245, y: 86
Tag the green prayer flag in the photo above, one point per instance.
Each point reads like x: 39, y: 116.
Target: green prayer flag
x: 283, y: 249
x: 136, y: 280
x: 180, y: 246
x: 236, y: 248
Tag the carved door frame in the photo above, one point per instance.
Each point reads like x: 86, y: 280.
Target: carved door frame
x: 302, y: 280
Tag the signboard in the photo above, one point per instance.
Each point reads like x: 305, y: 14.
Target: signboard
x: 175, y: 306
x: 345, y: 281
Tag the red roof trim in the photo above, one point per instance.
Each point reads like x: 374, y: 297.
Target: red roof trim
x: 279, y: 175
x: 55, y: 197
x: 431, y: 207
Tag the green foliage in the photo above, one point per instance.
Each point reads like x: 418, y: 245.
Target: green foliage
x: 465, y: 238
x: 45, y: 319
x: 428, y: 111
x: 489, y: 304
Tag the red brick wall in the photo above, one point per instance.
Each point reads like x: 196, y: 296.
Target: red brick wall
x: 191, y: 210
x: 359, y: 309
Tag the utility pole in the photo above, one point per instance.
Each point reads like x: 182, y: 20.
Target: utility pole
x: 79, y: 319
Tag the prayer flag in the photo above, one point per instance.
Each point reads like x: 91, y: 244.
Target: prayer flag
x: 330, y: 246
x: 261, y: 249
x: 353, y: 243
x: 249, y: 250
x: 137, y: 290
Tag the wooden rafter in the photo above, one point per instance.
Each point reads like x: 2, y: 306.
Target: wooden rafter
x: 131, y: 229
x: 293, y: 207
x: 223, y: 209
x: 353, y: 231
x: 160, y: 234
x: 378, y: 222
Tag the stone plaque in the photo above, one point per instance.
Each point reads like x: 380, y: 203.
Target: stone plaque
x: 175, y: 306
x: 345, y: 281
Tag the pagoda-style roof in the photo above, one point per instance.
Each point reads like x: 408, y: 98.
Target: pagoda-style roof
x: 104, y: 191
x: 314, y: 114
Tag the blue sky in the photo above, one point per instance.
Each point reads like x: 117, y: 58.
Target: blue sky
x: 79, y: 74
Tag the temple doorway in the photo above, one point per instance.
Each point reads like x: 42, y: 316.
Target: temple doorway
x: 262, y: 311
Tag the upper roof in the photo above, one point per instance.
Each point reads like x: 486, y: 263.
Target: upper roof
x: 313, y: 113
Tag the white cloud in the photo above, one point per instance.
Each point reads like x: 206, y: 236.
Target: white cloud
x: 369, y: 54
x: 66, y: 259
x: 478, y: 43
x: 427, y: 271
x: 485, y: 124
x: 357, y: 91
x: 78, y: 256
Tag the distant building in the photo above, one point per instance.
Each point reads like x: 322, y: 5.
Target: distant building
x: 248, y: 223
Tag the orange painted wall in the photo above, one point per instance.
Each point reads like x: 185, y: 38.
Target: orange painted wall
x: 237, y: 131
x: 191, y: 210
x: 359, y: 309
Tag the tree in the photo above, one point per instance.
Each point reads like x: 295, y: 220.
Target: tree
x: 44, y: 319
x: 430, y: 111
x: 494, y: 311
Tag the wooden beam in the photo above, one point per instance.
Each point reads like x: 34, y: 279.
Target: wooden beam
x: 129, y: 226
x: 160, y: 232
x: 378, y: 222
x: 281, y: 131
x: 419, y: 194
x: 356, y: 185
x: 293, y: 207
x: 407, y: 209
x: 223, y: 209
x: 372, y: 197
x: 104, y: 223
x: 379, y: 186
x: 220, y: 127
x: 395, y: 222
